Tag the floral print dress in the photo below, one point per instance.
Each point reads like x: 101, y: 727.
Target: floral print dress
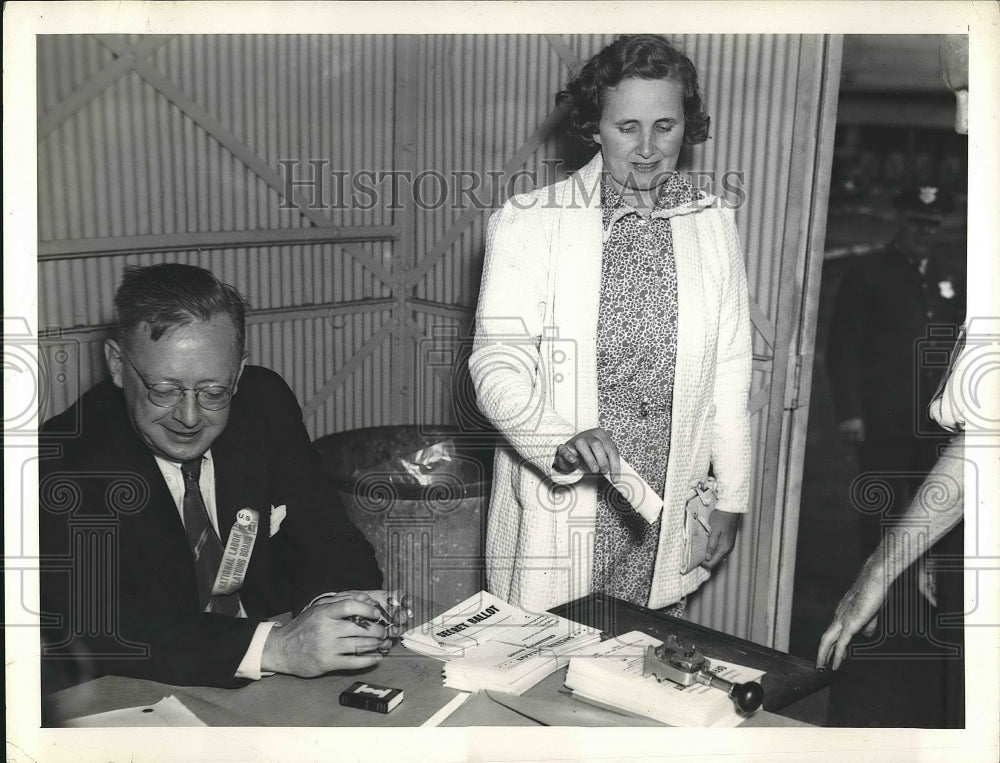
x: 636, y: 355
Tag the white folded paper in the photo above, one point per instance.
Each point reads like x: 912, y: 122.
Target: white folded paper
x: 169, y: 711
x: 490, y: 644
x: 613, y: 676
x: 638, y: 492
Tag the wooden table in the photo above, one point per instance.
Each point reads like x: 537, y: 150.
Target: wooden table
x: 289, y: 701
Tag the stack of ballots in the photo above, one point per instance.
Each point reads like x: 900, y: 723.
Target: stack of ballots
x: 489, y: 644
x: 612, y: 675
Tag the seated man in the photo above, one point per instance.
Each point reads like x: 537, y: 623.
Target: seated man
x: 182, y: 506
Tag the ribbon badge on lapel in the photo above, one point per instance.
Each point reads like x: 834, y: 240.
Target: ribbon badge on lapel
x: 236, y: 556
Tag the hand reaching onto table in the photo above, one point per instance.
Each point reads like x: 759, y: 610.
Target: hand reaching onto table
x: 857, y: 611
x: 937, y: 507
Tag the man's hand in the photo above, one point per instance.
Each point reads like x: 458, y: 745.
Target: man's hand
x: 722, y: 538
x: 857, y: 611
x: 321, y: 639
x: 396, y: 604
x: 923, y: 524
x: 852, y: 430
x: 592, y: 450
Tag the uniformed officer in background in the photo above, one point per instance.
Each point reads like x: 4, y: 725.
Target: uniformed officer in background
x: 894, y: 309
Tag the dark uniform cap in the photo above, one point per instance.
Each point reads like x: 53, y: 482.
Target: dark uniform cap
x: 924, y: 200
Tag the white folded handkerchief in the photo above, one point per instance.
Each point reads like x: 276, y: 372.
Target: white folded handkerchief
x: 277, y: 516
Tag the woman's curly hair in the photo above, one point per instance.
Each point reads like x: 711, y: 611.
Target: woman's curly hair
x: 643, y: 56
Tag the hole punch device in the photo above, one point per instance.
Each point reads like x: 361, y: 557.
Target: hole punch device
x: 685, y: 665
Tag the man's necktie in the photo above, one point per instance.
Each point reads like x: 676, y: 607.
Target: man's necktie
x: 205, y: 545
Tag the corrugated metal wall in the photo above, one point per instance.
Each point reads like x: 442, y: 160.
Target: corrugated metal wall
x: 173, y: 152
x: 138, y: 159
x: 185, y: 146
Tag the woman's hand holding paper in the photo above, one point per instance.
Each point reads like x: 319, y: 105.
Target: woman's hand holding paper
x: 591, y: 450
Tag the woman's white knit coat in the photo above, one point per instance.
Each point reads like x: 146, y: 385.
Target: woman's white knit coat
x: 534, y: 366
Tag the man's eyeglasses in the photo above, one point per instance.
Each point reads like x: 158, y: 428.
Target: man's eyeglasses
x: 166, y: 395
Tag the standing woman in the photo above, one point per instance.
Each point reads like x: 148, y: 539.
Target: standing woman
x: 613, y: 325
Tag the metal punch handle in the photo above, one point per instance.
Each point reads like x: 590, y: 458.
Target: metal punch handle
x: 747, y: 697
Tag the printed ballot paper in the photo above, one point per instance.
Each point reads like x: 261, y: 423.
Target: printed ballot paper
x: 489, y: 644
x: 638, y: 492
x: 612, y: 675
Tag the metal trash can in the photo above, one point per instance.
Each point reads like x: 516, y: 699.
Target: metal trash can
x: 420, y: 496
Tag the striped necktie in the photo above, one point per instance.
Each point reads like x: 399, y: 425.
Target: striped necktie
x: 205, y: 545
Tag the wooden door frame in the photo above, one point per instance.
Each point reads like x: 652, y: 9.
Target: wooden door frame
x: 798, y: 298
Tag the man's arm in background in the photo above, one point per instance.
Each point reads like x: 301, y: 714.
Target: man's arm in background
x: 937, y: 507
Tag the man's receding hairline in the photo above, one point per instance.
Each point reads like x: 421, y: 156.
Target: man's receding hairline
x: 189, y: 319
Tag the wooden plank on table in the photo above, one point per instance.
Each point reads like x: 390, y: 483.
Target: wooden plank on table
x: 787, y: 678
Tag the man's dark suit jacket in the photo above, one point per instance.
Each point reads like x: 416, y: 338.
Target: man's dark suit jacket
x: 877, y: 342
x: 107, y: 519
